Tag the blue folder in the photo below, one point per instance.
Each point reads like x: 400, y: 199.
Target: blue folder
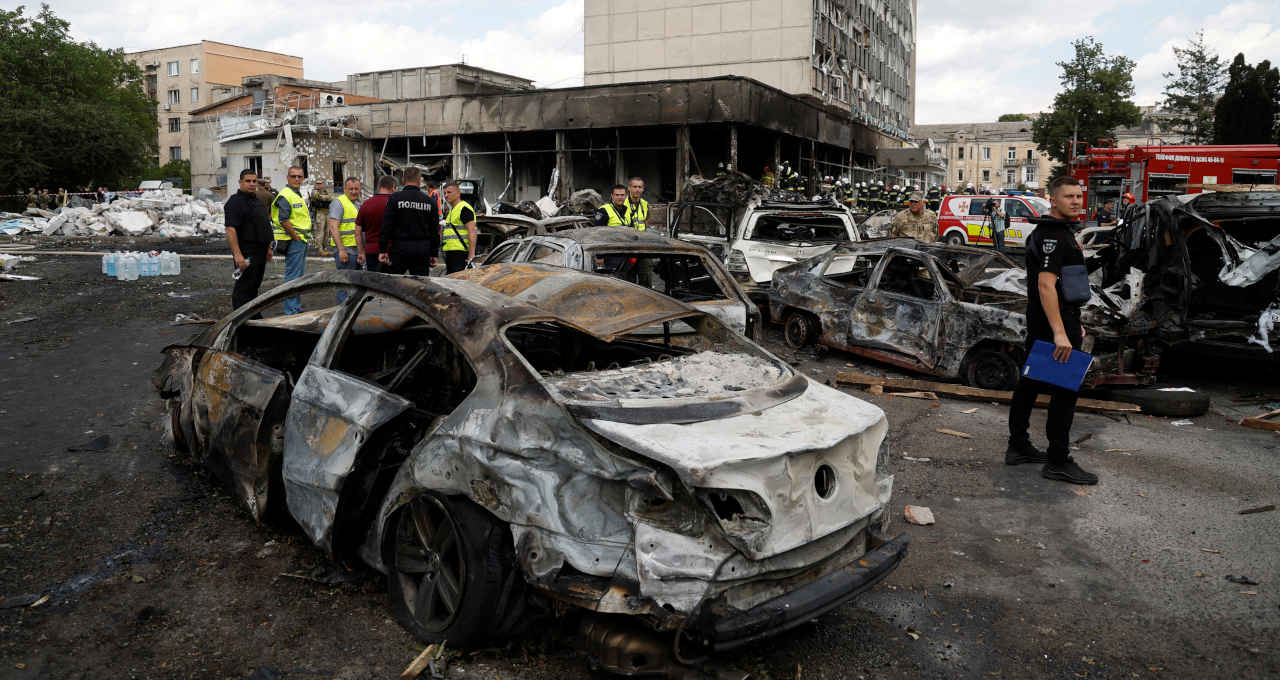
x: 1043, y: 367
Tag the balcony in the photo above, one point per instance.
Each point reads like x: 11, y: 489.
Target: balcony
x: 1010, y: 162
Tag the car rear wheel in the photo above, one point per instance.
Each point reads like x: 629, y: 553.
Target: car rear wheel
x: 799, y: 329
x: 452, y: 574
x: 991, y: 369
x: 955, y: 238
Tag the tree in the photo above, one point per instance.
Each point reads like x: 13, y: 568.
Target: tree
x: 1012, y: 117
x: 74, y: 114
x: 1246, y: 112
x: 1193, y: 90
x: 1095, y: 99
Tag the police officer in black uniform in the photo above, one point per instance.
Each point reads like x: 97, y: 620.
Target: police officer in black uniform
x: 249, y: 236
x: 1055, y: 274
x: 410, y: 238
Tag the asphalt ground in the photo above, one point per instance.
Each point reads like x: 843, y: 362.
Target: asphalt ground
x: 151, y: 571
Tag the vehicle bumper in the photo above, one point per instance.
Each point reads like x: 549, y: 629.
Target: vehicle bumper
x: 805, y: 603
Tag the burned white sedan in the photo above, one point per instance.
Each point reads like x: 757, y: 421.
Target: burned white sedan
x: 502, y: 441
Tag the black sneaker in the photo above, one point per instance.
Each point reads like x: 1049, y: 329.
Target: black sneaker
x: 1068, y: 472
x: 1023, y: 452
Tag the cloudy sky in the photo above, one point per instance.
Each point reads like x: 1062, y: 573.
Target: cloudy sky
x: 976, y: 60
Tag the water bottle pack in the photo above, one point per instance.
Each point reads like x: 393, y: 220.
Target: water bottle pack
x: 129, y: 266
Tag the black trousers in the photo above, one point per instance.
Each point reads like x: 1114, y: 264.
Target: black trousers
x: 1062, y: 404
x: 246, y: 287
x: 417, y: 265
x: 454, y: 261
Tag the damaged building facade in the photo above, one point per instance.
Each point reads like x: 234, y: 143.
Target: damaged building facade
x: 532, y: 143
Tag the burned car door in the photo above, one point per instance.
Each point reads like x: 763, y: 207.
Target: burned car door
x: 239, y: 395
x: 380, y: 380
x: 902, y: 310
x: 706, y: 225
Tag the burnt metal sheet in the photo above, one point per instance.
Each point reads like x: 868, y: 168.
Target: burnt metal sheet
x: 590, y: 303
x: 233, y: 402
x: 331, y: 417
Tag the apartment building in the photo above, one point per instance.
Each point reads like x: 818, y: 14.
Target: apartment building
x: 856, y: 55
x: 184, y: 78
x: 988, y: 155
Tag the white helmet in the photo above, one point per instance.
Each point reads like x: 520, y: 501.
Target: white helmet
x: 896, y: 187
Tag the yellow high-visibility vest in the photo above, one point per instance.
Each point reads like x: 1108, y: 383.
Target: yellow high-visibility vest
x: 455, y: 232
x: 639, y: 213
x: 616, y: 220
x: 299, y: 217
x: 347, y: 225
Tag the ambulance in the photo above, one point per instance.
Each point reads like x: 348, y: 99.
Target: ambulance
x: 964, y: 220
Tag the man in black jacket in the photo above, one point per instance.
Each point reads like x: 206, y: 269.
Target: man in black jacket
x: 249, y: 235
x: 410, y: 237
x: 1050, y: 249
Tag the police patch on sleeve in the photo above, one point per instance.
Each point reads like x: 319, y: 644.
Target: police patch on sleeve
x: 1048, y: 245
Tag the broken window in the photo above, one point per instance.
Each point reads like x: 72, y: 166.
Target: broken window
x: 852, y: 270
x: 909, y: 276
x: 683, y: 277
x: 546, y: 254
x: 175, y: 125
x: 253, y: 163
x: 800, y: 228
x: 339, y: 174
x: 173, y: 68
x: 301, y: 161
x: 391, y: 345
x: 285, y: 342
x: 504, y: 253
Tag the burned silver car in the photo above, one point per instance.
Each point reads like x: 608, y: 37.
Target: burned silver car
x: 502, y: 440
x: 685, y: 271
x: 911, y: 304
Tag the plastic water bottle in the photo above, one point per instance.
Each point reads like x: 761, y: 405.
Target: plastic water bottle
x: 105, y: 257
x: 112, y: 259
x: 172, y: 265
x: 127, y: 267
x: 153, y: 263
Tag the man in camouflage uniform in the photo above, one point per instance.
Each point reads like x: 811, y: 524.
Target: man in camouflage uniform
x: 916, y: 221
x: 320, y: 202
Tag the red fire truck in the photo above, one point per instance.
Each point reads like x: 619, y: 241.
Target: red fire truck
x: 1149, y: 172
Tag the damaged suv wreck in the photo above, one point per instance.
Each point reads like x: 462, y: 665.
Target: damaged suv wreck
x: 503, y: 441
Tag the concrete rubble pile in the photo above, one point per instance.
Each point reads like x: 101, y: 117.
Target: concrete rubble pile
x: 732, y: 188
x: 583, y: 202
x: 166, y: 212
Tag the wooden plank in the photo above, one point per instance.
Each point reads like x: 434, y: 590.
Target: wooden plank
x: 1262, y: 422
x: 975, y: 393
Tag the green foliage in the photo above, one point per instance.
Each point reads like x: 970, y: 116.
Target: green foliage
x: 1191, y: 92
x: 1095, y: 99
x: 1246, y: 113
x: 1012, y: 117
x: 74, y: 114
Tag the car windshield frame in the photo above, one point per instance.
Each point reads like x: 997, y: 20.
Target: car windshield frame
x: 753, y: 234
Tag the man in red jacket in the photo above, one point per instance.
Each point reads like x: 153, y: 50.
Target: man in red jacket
x: 370, y: 219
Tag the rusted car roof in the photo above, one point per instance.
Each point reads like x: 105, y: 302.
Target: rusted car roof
x: 600, y: 305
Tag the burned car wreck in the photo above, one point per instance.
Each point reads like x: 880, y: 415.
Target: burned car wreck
x: 503, y: 442
x: 921, y: 306
x: 1201, y: 268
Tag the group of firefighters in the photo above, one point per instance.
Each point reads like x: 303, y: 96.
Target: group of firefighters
x: 862, y: 196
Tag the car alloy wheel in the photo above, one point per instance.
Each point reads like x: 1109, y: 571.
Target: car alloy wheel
x: 429, y: 563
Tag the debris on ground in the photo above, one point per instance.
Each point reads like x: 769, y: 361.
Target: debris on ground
x: 954, y: 433
x: 21, y: 319
x: 732, y: 188
x: 1261, y: 508
x: 1181, y: 423
x: 420, y: 663
x: 918, y: 514
x: 164, y: 212
x: 583, y: 202
x: 99, y: 443
x: 930, y: 396
x: 1241, y: 580
x: 976, y: 393
x: 1266, y: 421
x: 15, y: 601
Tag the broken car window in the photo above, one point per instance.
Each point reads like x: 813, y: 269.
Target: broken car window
x: 545, y: 254
x: 392, y: 346
x: 800, y: 228
x: 683, y: 277
x: 285, y: 342
x: 908, y: 276
x: 504, y: 253
x: 852, y: 270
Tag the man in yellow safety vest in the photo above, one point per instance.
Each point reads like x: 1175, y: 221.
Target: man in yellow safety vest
x: 616, y: 212
x: 344, y: 232
x: 291, y: 224
x: 458, y: 236
x: 636, y: 205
